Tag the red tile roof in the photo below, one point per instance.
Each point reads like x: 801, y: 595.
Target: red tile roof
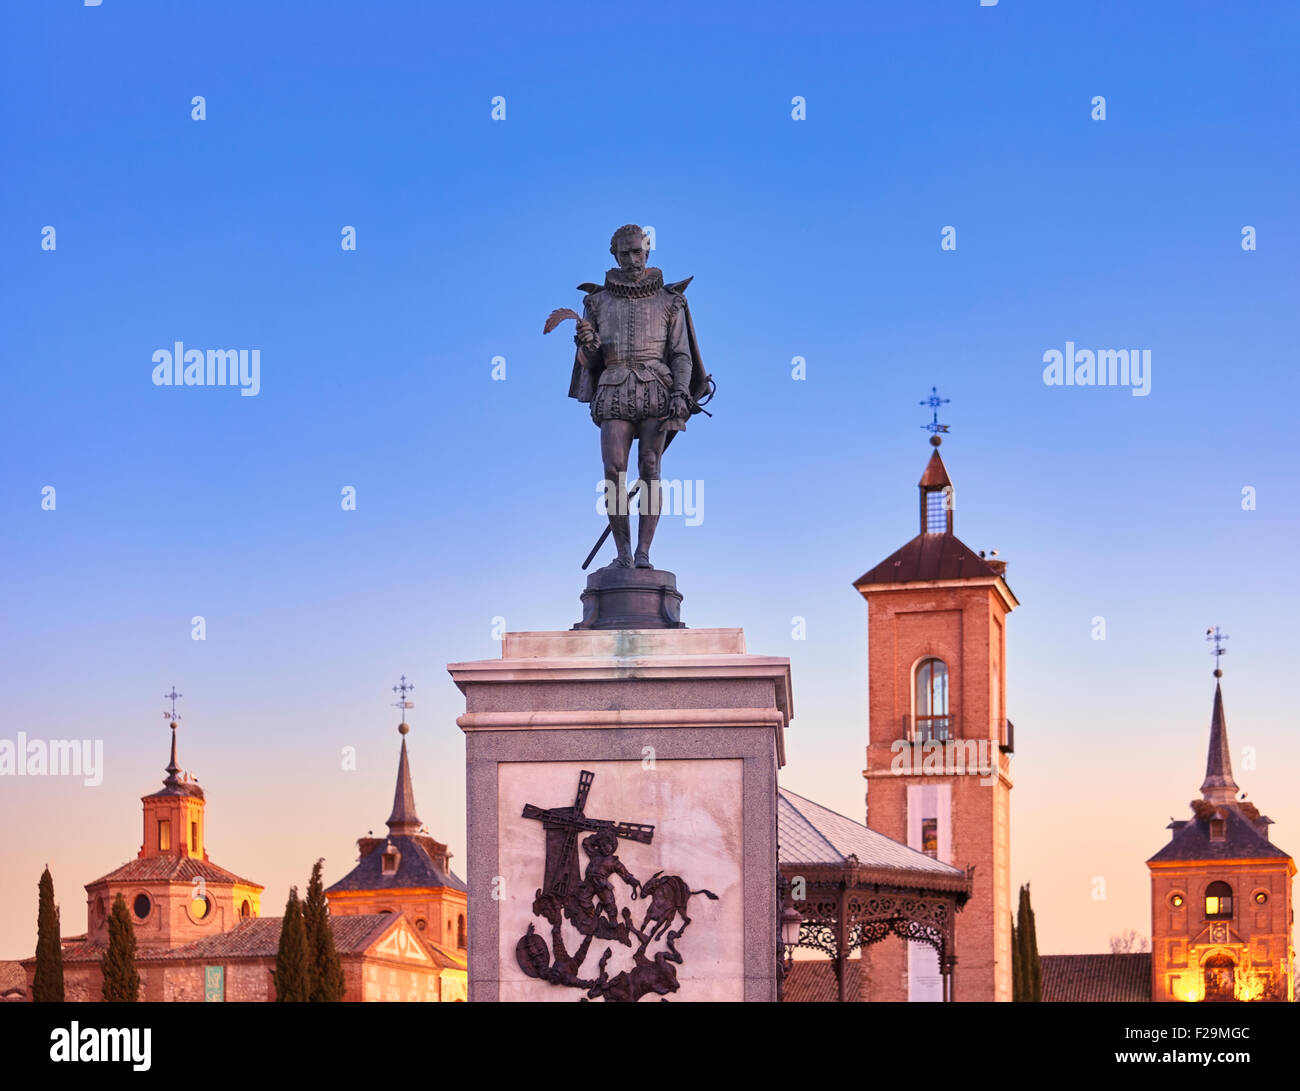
x: 260, y: 938
x: 929, y: 557
x: 176, y: 869
x: 1097, y: 978
x: 812, y: 981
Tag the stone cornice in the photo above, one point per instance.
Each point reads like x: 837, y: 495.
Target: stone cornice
x: 997, y: 583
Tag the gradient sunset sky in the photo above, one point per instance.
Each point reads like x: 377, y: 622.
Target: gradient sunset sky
x: 476, y: 499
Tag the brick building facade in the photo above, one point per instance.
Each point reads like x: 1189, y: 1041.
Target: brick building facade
x: 1221, y: 899
x: 938, y: 757
x: 407, y: 872
x: 197, y: 927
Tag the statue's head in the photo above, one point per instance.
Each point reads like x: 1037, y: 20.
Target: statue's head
x: 601, y: 843
x: 629, y: 248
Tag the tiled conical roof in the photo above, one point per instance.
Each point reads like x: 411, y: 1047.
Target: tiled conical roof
x: 404, y: 820
x: 1218, y: 786
x: 936, y: 474
x: 177, y: 782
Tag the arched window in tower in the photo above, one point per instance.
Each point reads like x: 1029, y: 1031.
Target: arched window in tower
x: 1218, y: 901
x: 460, y: 930
x: 931, y: 701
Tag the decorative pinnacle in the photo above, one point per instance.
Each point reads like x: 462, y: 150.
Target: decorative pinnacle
x: 402, y: 689
x: 173, y: 767
x: 172, y: 698
x: 934, y: 427
x: 1217, y: 636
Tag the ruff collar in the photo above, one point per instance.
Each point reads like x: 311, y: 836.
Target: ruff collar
x: 619, y: 283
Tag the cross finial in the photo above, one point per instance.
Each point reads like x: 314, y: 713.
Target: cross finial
x: 402, y: 689
x: 934, y: 427
x: 172, y: 698
x: 1217, y: 636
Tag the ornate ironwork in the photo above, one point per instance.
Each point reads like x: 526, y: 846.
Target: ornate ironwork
x: 844, y: 911
x: 870, y: 919
x: 934, y: 401
x: 1216, y: 636
x: 402, y: 689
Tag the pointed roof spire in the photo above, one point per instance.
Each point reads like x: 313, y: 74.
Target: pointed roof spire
x: 173, y: 767
x: 936, y: 473
x: 935, y: 485
x: 935, y: 489
x: 177, y: 782
x: 1219, y: 787
x: 404, y: 820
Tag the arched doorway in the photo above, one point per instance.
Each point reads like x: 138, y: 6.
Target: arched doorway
x: 1220, y: 978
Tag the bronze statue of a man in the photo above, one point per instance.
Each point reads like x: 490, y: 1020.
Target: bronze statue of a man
x: 639, y: 367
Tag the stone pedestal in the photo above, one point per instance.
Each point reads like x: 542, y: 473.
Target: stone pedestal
x: 631, y: 598
x: 595, y: 757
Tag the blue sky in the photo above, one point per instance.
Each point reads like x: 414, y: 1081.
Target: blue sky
x: 476, y: 499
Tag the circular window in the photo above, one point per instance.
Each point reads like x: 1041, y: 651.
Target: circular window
x: 1261, y: 897
x: 421, y: 924
x: 200, y: 907
x: 141, y: 906
x: 1176, y: 900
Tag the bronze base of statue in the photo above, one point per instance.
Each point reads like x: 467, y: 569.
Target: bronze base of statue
x: 631, y: 598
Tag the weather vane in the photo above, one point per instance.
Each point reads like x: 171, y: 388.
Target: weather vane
x: 172, y: 697
x: 934, y: 401
x: 1217, y: 636
x: 403, y: 688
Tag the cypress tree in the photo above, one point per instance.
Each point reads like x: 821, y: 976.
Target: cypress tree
x: 327, y: 983
x: 1027, y: 966
x: 1017, y: 965
x: 293, y: 960
x: 121, y: 980
x: 47, y: 985
x: 1033, y: 965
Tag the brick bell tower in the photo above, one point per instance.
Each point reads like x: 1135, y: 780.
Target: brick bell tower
x: 173, y: 890
x: 1221, y: 900
x: 938, y: 756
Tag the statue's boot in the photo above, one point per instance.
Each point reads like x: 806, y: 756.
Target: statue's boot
x: 645, y: 533
x: 622, y: 533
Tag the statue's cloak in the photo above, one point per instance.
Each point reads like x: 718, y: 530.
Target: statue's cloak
x: 583, y: 383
